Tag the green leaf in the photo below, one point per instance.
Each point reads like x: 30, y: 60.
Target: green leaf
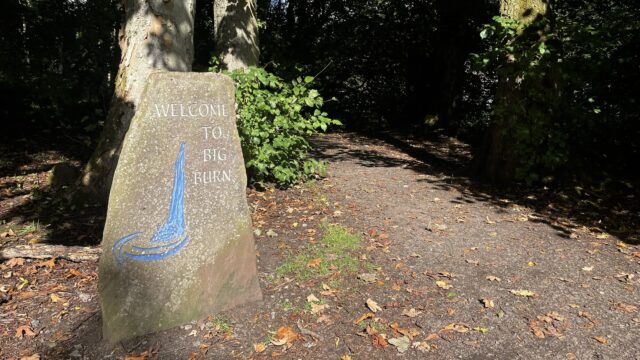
x: 542, y: 48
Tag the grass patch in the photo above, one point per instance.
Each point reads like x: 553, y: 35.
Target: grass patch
x: 222, y: 325
x: 333, y: 253
x: 28, y: 229
x: 286, y: 306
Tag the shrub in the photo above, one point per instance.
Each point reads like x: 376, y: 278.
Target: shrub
x: 274, y: 119
x: 568, y: 90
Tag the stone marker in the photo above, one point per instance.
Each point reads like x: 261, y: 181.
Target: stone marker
x: 178, y: 241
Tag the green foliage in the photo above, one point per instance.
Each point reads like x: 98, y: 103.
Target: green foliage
x: 564, y: 96
x: 335, y: 252
x: 274, y: 119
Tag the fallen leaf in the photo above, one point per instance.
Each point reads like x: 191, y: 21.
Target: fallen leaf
x: 536, y: 329
x: 443, y: 284
x: 602, y: 235
x: 31, y: 357
x: 624, y: 307
x: 259, y: 347
x: 488, y: 303
x: 8, y: 233
x: 411, y: 312
x: 14, y: 262
x: 402, y: 343
x: 368, y: 278
x: 421, y: 346
x: 380, y: 340
x: 523, y: 293
x: 493, y: 278
x: 316, y: 308
x: 145, y: 355
x: 601, y: 339
x: 331, y: 292
x: 373, y: 306
x: 481, y: 330
x: 346, y: 357
x: 54, y: 298
x: 24, y: 330
x: 284, y: 336
x: 271, y: 233
x: 51, y: 263
x: 312, y: 298
x: 587, y: 268
x: 314, y: 262
x: 531, y: 264
x: 363, y: 317
x: 432, y: 337
x: 460, y: 328
x: 22, y: 283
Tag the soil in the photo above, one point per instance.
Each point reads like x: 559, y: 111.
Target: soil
x: 457, y: 270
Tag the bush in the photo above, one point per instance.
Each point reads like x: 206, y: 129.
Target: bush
x: 569, y: 87
x: 274, y: 119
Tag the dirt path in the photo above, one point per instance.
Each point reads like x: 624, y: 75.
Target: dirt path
x: 455, y: 272
x: 583, y: 285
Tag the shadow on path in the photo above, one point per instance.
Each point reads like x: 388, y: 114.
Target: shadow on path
x: 612, y: 209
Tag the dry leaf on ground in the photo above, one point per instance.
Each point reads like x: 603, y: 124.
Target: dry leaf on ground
x: 316, y: 308
x: 411, y: 312
x: 401, y: 343
x: 364, y: 317
x: 443, y: 284
x: 24, y: 330
x: 601, y: 339
x: 259, y: 347
x: 523, y: 293
x: 373, y: 306
x: 314, y: 262
x: 284, y: 336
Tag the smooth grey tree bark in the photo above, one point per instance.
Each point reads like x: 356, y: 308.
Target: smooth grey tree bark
x: 236, y: 33
x: 155, y: 35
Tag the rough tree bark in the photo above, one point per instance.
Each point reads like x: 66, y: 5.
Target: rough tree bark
x: 236, y: 33
x: 497, y: 161
x: 155, y: 35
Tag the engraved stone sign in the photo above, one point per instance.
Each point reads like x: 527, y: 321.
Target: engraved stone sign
x: 178, y: 241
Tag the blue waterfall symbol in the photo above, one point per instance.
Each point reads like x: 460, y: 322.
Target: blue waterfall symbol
x: 170, y: 236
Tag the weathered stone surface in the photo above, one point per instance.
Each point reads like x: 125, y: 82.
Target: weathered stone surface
x: 178, y: 242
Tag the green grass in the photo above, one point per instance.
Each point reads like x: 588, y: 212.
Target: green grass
x: 28, y: 229
x: 222, y: 325
x: 335, y: 249
x: 286, y: 306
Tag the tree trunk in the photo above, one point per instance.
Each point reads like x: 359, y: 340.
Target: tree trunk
x: 497, y: 162
x: 236, y: 33
x: 524, y: 10
x: 155, y: 35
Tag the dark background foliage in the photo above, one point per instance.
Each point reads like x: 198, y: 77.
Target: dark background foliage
x: 390, y: 65
x: 57, y: 64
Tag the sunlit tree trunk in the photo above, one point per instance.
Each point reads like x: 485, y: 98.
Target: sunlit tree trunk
x: 155, y: 35
x: 236, y: 32
x: 497, y: 160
